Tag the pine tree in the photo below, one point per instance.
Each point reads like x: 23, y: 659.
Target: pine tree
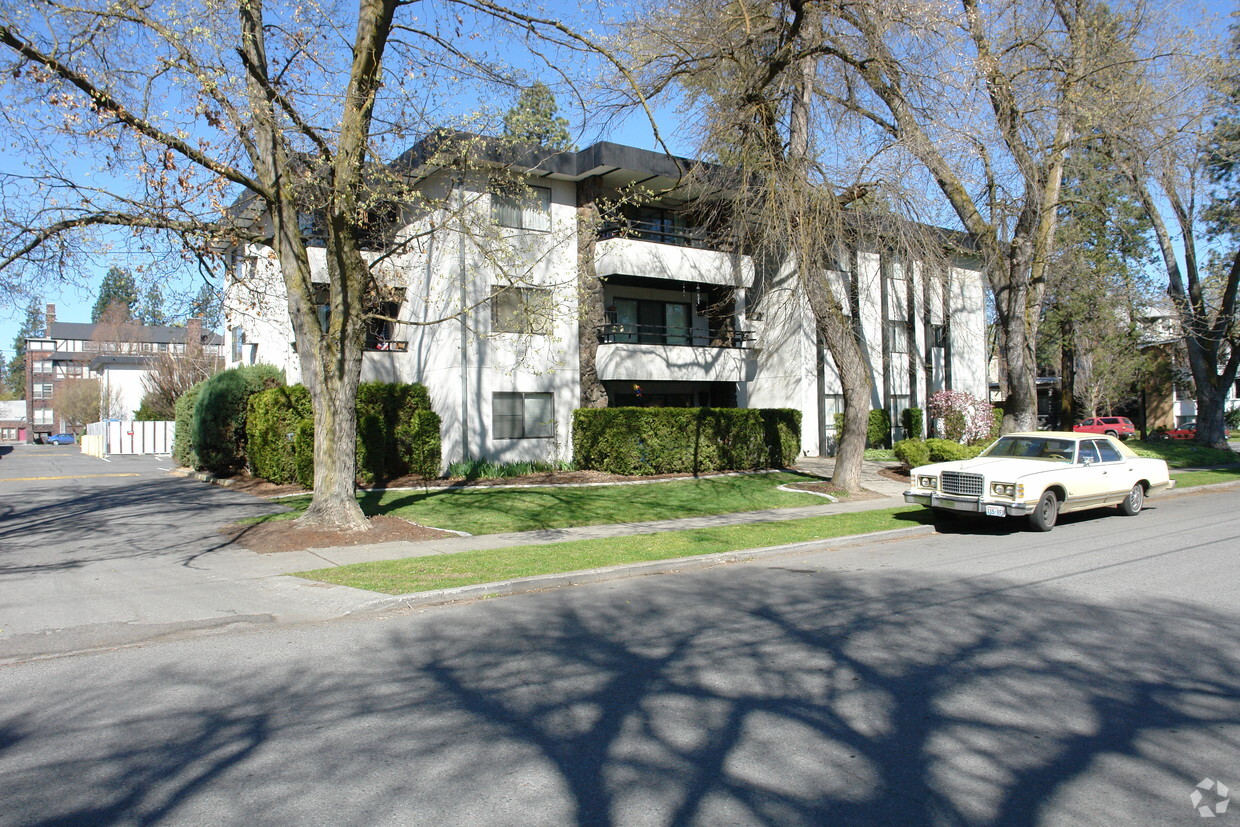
x: 118, y: 287
x: 32, y: 325
x: 534, y: 120
x: 152, y: 312
x: 206, y: 306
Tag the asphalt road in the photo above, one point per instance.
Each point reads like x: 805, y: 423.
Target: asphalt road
x: 984, y: 676
x: 103, y: 552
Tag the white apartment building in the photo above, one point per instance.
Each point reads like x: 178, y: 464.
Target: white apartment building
x: 641, y: 309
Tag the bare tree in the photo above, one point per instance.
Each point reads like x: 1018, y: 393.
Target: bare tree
x: 250, y: 126
x: 987, y: 98
x: 79, y: 402
x: 1166, y: 153
x: 170, y: 374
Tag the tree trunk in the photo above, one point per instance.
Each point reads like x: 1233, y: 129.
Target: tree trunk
x: 1013, y: 304
x: 592, y: 311
x: 333, y: 391
x: 840, y: 337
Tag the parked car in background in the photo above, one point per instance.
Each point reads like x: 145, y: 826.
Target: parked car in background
x: 1186, y: 431
x: 1040, y: 475
x: 61, y: 439
x: 1119, y: 426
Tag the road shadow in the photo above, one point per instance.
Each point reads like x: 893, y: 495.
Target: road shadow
x: 742, y: 695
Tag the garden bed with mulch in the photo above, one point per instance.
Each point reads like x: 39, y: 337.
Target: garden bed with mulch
x: 286, y: 535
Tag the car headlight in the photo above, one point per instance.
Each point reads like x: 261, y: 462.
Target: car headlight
x: 928, y: 482
x: 1005, y: 489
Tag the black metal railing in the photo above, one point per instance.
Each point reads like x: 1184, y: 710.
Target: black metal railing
x: 618, y: 333
x: 658, y: 232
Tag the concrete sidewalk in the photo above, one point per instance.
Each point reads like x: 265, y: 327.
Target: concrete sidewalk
x: 889, y: 496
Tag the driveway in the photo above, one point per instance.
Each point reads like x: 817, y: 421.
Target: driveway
x: 97, y: 553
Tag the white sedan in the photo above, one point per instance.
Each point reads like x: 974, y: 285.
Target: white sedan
x: 1040, y: 475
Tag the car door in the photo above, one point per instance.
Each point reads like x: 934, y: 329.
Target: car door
x: 1118, y: 473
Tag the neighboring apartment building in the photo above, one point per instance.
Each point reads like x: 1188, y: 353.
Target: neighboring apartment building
x: 118, y: 356
x: 643, y: 310
x: 13, y: 421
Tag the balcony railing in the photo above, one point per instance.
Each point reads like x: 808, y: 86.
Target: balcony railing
x: 657, y: 232
x: 386, y: 345
x: 618, y: 333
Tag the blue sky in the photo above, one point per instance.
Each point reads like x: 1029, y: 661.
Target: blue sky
x: 73, y: 303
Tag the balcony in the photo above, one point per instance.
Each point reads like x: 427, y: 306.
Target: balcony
x: 650, y: 353
x: 669, y: 255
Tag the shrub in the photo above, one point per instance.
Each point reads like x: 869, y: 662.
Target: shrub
x: 397, y: 433
x: 963, y: 417
x: 912, y: 420
x: 303, y: 451
x: 218, y: 433
x: 182, y: 443
x: 946, y: 450
x: 678, y: 440
x: 484, y: 469
x: 1232, y: 418
x: 878, y: 431
x: 272, y: 419
x: 912, y: 452
x: 996, y: 426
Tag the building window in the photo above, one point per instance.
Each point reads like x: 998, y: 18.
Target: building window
x: 897, y: 405
x: 833, y: 408
x: 521, y: 310
x: 43, y: 416
x: 897, y: 337
x: 43, y: 390
x: 8, y: 434
x: 530, y: 211
x: 43, y: 366
x: 238, y: 343
x: 522, y: 415
x: 938, y: 335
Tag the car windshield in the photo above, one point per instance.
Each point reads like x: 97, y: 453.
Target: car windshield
x: 1033, y: 447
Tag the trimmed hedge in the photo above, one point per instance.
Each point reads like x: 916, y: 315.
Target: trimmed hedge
x: 640, y: 441
x: 912, y: 420
x: 182, y: 444
x: 397, y: 433
x: 218, y: 433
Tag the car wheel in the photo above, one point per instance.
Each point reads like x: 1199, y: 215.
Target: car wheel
x: 1134, y: 502
x: 1044, y: 516
x: 1111, y: 433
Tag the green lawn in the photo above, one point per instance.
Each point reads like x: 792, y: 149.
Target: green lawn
x: 1187, y: 479
x: 496, y: 510
x: 1184, y: 454
x: 416, y: 574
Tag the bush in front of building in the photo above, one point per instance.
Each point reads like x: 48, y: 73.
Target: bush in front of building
x: 946, y: 450
x: 218, y: 433
x: 912, y: 452
x: 397, y: 433
x: 270, y: 429
x: 182, y: 446
x: 643, y: 441
x: 877, y: 429
x: 912, y: 420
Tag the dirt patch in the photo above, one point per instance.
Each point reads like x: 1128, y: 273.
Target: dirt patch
x: 286, y: 535
x: 894, y: 472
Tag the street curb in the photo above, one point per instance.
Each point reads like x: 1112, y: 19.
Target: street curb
x: 545, y: 582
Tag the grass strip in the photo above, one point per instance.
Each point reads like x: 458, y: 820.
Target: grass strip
x: 1184, y: 454
x: 496, y: 510
x: 1187, y: 479
x: 417, y: 574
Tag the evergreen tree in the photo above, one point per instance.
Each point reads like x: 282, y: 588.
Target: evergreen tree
x: 152, y: 312
x: 207, y: 306
x: 1223, y: 149
x: 118, y: 288
x: 33, y: 325
x: 534, y: 120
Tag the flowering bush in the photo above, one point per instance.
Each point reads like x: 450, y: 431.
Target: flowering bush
x: 961, y: 417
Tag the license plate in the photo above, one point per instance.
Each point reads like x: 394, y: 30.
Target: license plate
x: 996, y: 511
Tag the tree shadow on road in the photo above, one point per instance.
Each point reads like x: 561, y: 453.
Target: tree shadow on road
x: 742, y: 695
